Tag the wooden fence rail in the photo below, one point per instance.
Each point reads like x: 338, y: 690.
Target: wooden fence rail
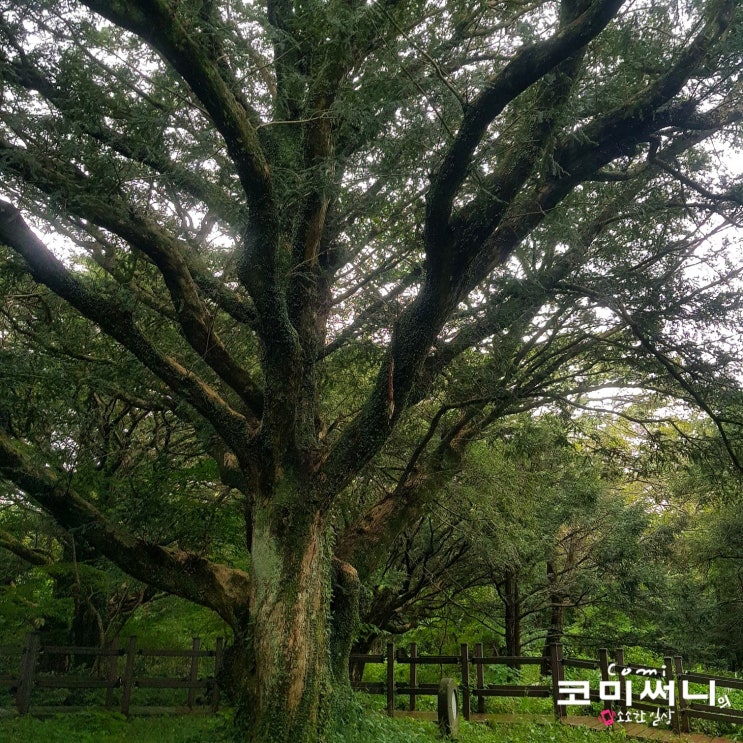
x: 462, y: 664
x: 116, y: 669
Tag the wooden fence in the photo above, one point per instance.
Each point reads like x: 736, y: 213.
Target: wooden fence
x: 467, y: 665
x: 113, y: 668
x: 121, y: 671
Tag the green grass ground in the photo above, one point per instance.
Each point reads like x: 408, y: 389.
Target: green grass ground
x: 93, y: 727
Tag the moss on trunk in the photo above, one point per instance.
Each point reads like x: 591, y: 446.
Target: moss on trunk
x: 289, y: 670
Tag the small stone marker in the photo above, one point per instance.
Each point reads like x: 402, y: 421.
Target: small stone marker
x: 448, y: 709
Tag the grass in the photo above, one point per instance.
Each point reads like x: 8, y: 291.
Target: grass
x: 92, y: 727
x: 372, y: 727
x: 380, y: 729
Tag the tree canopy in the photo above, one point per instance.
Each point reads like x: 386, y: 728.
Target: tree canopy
x: 287, y: 260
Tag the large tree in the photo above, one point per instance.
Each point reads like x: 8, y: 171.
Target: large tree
x: 336, y: 240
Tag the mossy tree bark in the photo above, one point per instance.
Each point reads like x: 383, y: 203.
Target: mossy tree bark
x: 290, y: 679
x: 289, y: 611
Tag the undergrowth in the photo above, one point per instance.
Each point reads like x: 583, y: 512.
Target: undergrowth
x: 112, y: 727
x: 372, y: 727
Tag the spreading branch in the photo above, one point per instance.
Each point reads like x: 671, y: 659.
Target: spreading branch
x: 117, y: 321
x: 223, y: 589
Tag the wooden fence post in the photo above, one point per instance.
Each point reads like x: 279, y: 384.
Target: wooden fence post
x: 465, y: 656
x: 480, y: 674
x: 604, y: 663
x: 668, y: 676
x: 619, y: 657
x: 112, y: 666
x: 391, y: 679
x: 678, y: 665
x: 604, y: 668
x: 26, y: 676
x: 193, y: 676
x: 557, y: 671
x: 127, y: 681
x: 413, y: 673
x: 218, y: 652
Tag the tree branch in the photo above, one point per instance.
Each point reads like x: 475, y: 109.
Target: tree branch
x: 158, y: 24
x: 525, y: 68
x: 165, y: 252
x: 25, y: 74
x: 223, y: 589
x: 676, y: 371
x: 161, y: 25
x: 19, y: 549
x: 118, y: 322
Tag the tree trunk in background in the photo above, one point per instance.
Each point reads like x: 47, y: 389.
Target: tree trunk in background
x: 512, y: 600
x: 556, y: 624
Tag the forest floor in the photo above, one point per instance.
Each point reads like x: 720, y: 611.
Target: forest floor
x: 92, y: 727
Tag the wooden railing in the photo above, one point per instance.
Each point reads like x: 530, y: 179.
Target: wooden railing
x: 115, y: 669
x: 702, y: 711
x: 462, y: 665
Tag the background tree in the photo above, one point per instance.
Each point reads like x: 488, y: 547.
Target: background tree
x: 467, y: 210
x: 533, y: 530
x: 696, y: 501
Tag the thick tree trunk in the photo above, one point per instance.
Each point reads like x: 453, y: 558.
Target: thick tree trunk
x: 290, y: 577
x: 289, y: 673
